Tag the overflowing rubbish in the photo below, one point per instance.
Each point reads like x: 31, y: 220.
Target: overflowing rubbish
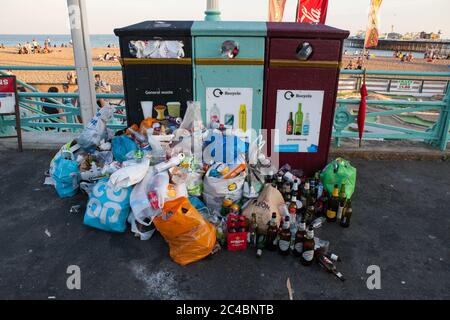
x: 203, y: 189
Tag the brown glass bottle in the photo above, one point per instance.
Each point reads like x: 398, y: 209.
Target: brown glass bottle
x: 347, y: 215
x: 299, y: 238
x: 290, y: 125
x: 284, y: 238
x: 342, y: 202
x: 272, y: 233
x: 333, y: 205
x: 307, y: 257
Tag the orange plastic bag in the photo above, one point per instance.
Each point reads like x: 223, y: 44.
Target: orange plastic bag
x: 189, y: 235
x: 147, y: 123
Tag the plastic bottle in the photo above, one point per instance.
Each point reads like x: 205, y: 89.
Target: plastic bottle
x: 306, y: 125
x: 172, y: 162
x: 214, y: 117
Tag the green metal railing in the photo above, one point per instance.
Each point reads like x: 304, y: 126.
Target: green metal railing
x: 436, y: 133
x: 33, y: 117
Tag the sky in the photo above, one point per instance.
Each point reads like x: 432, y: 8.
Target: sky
x: 50, y: 16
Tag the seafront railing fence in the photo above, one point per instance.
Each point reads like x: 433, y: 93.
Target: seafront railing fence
x: 403, y: 114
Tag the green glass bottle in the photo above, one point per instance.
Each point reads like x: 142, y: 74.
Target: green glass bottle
x: 298, y: 121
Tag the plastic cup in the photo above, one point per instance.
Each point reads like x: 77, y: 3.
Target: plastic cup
x: 147, y: 108
x: 174, y: 109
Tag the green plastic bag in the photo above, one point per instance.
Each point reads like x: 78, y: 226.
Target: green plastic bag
x: 337, y: 172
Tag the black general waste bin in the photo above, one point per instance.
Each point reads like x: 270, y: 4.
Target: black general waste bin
x: 156, y: 58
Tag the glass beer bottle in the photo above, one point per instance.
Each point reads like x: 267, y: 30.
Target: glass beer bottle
x: 333, y: 205
x: 307, y: 257
x: 284, y: 241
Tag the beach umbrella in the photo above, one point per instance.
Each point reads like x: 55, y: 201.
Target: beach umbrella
x: 362, y: 108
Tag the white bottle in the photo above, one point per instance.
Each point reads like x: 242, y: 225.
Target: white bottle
x: 214, y: 117
x: 306, y: 125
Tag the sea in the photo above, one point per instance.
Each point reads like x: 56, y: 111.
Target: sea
x: 97, y: 40
x: 104, y: 40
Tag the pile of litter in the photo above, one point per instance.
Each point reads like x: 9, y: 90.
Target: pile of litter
x: 203, y: 189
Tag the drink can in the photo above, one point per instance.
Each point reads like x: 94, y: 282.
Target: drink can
x: 229, y: 119
x: 153, y: 198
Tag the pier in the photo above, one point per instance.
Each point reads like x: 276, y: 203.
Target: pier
x: 441, y: 46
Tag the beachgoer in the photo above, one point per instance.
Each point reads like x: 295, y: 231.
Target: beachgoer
x: 66, y: 90
x: 50, y: 110
x: 114, y: 57
x: 35, y: 45
x: 107, y: 56
x: 359, y: 63
x: 349, y: 65
x: 345, y: 52
x: 48, y: 41
x: 71, y: 77
x: 103, y: 85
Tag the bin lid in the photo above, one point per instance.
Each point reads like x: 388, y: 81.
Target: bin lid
x: 304, y: 30
x: 229, y: 28
x: 156, y: 28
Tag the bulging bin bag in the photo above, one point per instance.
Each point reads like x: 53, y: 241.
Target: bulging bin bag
x: 216, y: 189
x: 339, y: 171
x: 66, y: 174
x: 108, y: 207
x: 269, y: 201
x: 121, y: 146
x: 189, y: 235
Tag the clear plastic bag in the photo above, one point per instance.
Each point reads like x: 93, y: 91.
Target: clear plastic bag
x: 130, y: 175
x: 95, y: 131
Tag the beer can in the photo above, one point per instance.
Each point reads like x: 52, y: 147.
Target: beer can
x: 229, y: 119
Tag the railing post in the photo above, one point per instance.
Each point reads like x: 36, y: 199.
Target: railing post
x: 444, y: 120
x: 83, y: 58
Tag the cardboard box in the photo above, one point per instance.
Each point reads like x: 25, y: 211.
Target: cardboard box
x: 237, y: 241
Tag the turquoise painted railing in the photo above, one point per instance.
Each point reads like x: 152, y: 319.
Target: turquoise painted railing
x: 435, y: 132
x: 397, y: 112
x: 33, y: 118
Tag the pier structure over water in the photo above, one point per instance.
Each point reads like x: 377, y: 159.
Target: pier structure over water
x: 440, y: 46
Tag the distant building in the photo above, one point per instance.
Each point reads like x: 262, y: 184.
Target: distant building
x: 394, y: 36
x: 430, y: 36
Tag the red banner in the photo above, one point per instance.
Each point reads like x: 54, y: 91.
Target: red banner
x: 312, y: 11
x: 276, y: 10
x: 371, y: 39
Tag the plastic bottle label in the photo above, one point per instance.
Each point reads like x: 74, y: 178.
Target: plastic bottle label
x: 331, y: 214
x: 284, y: 245
x: 339, y: 212
x: 308, y: 255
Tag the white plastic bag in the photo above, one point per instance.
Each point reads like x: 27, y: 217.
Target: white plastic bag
x: 159, y: 184
x: 139, y: 202
x: 134, y: 228
x: 95, y: 131
x: 216, y: 189
x: 130, y: 175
